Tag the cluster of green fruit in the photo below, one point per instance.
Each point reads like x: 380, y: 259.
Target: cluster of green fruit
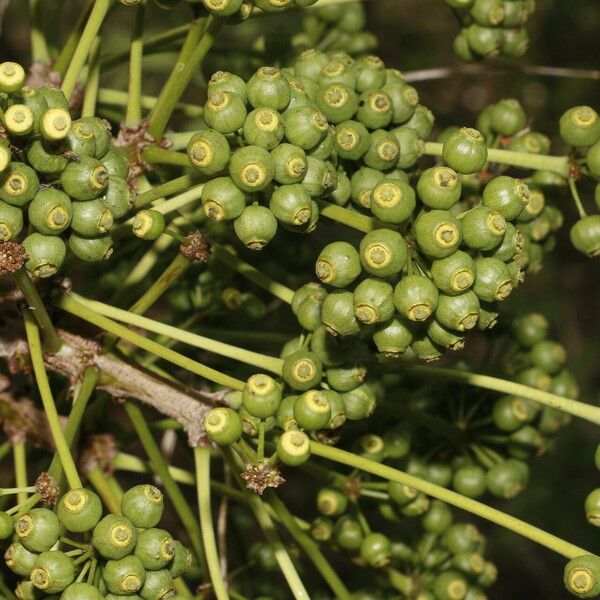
x: 58, y: 177
x: 491, y: 27
x: 120, y: 556
x: 443, y: 560
x: 580, y: 128
x: 483, y: 445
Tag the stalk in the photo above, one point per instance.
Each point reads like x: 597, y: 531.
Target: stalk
x: 93, y: 81
x: 52, y: 343
x: 160, y: 467
x: 160, y: 156
x: 522, y: 160
x: 20, y: 462
x: 347, y: 217
x: 310, y: 547
x: 253, y: 274
x: 112, y: 97
x: 66, y: 54
x: 67, y: 303
x: 39, y: 48
x: 187, y: 65
x: 261, y: 361
x: 202, y: 460
x: 37, y: 360
x: 98, y: 480
x: 136, y: 54
x: 572, y: 407
x: 523, y: 528
x: 84, y: 45
x: 165, y: 189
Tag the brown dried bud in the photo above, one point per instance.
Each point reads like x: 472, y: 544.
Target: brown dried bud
x: 197, y: 249
x: 259, y: 477
x: 99, y: 453
x: 47, y: 488
x: 12, y: 257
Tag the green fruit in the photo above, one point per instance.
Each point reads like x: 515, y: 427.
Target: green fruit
x: 392, y: 201
x: 454, y: 274
x: 85, y: 179
x: 375, y: 549
x: 439, y: 187
x: 125, y: 576
x: 337, y: 102
x: 290, y: 164
x: 320, y: 179
x: 44, y: 158
x: 263, y: 127
x: 312, y: 410
x: 506, y: 195
x: 91, y: 249
x: 411, y: 146
x: 143, y: 505
x: 222, y: 199
x: 208, y: 151
x: 251, y: 168
x: 19, y: 184
x: 38, y: 530
x: 331, y: 502
x: 507, y: 479
x: 337, y: 313
x: 373, y: 301
x: 158, y: 585
x: 12, y: 77
x: 438, y: 233
x: 437, y: 518
x: 223, y: 426
x: 268, y: 88
x: 375, y: 109
x: 119, y: 197
x: 155, y: 548
x: 362, y: 183
x: 182, y: 560
x: 465, y: 151
x: 393, y: 337
x: 291, y: 204
x: 305, y: 127
x: 82, y: 591
x: 580, y: 126
x: 148, y: 224
x: 11, y: 221
x: 52, y: 572
x: 293, y: 447
x: 585, y: 235
x: 225, y: 111
x: 79, y: 510
x: 383, y: 252
x: 483, y: 228
x: 346, y: 377
x: 19, y: 560
x: 416, y: 297
x: 469, y: 481
x: 223, y: 81
x: 508, y: 117
x: 222, y: 8
x: 91, y: 218
x: 383, y: 151
x: 338, y: 264
x: 114, y: 537
x: 582, y: 576
x: 116, y: 164
x: 348, y: 533
x: 261, y: 396
x: 530, y: 329
x: 459, y: 312
x: 493, y: 280
x: 421, y: 121
x: 55, y: 123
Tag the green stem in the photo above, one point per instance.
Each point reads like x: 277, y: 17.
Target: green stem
x: 165, y: 189
x: 136, y: 54
x: 93, y: 81
x: 112, y: 97
x: 473, y: 506
x: 58, y: 436
x: 39, y: 48
x: 70, y: 305
x: 310, y: 547
x: 262, y: 361
x: 98, y: 480
x: 52, y: 343
x: 66, y: 54
x: 253, y: 274
x: 20, y: 462
x: 160, y: 467
x: 84, y: 45
x: 572, y: 407
x: 347, y: 217
x: 187, y: 65
x: 160, y: 156
x: 577, y: 198
x: 522, y: 160
x: 202, y: 460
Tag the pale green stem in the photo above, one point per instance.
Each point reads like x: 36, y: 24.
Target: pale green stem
x: 577, y: 198
x: 136, y: 54
x: 93, y: 81
x: 98, y: 480
x: 118, y: 98
x: 262, y: 361
x: 202, y: 460
x: 20, y: 462
x: 253, y: 274
x: 58, y: 436
x: 572, y: 407
x: 39, y: 48
x: 69, y: 304
x: 347, y: 217
x: 84, y: 45
x: 522, y: 160
x: 473, y: 506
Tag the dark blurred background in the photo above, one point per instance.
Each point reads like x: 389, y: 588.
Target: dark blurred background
x: 415, y: 35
